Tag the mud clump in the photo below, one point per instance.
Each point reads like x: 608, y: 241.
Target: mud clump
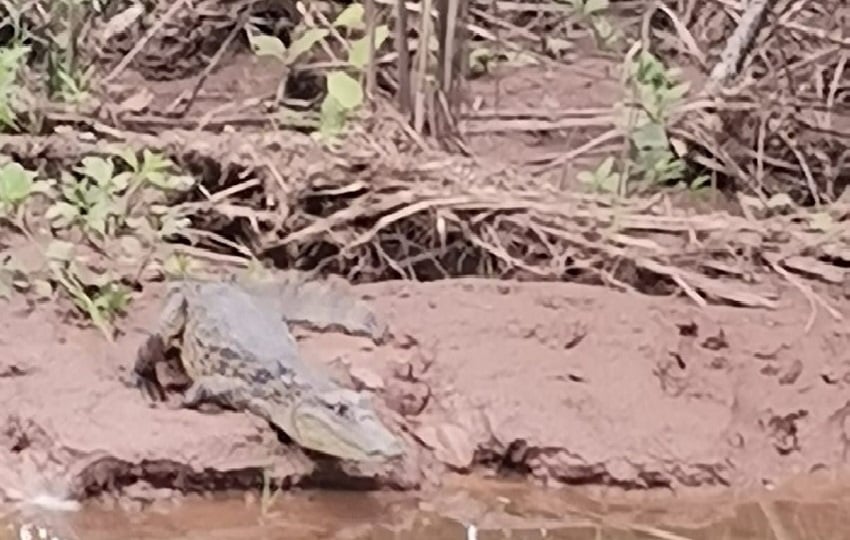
x: 557, y: 382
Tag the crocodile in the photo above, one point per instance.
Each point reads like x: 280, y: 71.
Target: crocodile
x: 236, y: 347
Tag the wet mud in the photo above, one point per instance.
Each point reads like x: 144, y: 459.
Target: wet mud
x: 554, y: 383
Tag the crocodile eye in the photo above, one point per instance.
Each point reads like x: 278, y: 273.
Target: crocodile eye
x: 341, y: 409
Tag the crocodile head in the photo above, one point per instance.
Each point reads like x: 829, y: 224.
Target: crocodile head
x: 342, y: 423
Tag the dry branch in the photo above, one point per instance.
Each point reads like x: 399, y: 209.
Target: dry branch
x: 455, y: 218
x: 738, y: 42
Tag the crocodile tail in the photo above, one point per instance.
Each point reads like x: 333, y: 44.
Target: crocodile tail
x: 325, y: 303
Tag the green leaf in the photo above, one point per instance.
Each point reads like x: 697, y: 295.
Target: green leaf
x: 15, y: 183
x: 594, y: 6
x: 345, y: 90
x: 113, y: 298
x: 129, y: 157
x: 358, y: 55
x: 651, y: 136
x: 351, y: 17
x: 179, y: 264
x: 305, y: 42
x: 158, y: 179
x: 167, y: 182
x: 59, y: 250
x: 605, y: 167
x: 180, y: 182
x: 267, y: 46
x: 62, y: 214
x: 677, y: 92
x: 332, y: 117
x: 96, y: 217
x: 152, y: 162
x: 173, y: 225
x: 44, y: 187
x: 120, y: 181
x: 699, y: 182
x: 98, y: 169
x: 610, y: 183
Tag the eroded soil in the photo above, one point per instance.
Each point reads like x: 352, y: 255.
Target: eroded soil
x: 559, y: 382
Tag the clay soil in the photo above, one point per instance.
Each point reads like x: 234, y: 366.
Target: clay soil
x: 559, y: 382
x: 555, y: 382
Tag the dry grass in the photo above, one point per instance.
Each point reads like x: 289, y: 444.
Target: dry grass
x: 373, y: 210
x: 389, y: 203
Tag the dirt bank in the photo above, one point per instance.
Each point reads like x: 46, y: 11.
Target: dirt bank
x: 561, y: 382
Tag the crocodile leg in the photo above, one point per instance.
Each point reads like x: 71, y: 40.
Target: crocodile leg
x: 152, y: 351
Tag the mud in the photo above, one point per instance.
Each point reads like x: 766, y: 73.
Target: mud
x: 555, y: 382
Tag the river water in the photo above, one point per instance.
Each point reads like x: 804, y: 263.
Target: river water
x: 816, y: 508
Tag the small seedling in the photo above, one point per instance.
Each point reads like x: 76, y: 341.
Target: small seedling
x: 102, y: 201
x: 101, y: 299
x: 344, y: 92
x: 181, y: 266
x: 607, y: 35
x: 12, y: 58
x: 603, y: 179
x: 16, y: 186
x: 268, y: 495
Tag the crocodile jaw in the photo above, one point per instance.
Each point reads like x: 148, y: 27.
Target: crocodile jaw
x: 341, y: 423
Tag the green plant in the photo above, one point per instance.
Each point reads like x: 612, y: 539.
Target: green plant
x: 650, y: 160
x: 345, y: 92
x: 607, y: 35
x: 102, y: 201
x: 11, y: 97
x: 17, y: 185
x: 106, y: 204
x: 47, y: 39
x: 180, y: 265
x: 657, y: 93
x: 118, y: 202
x: 603, y: 179
x: 98, y: 295
x: 59, y: 35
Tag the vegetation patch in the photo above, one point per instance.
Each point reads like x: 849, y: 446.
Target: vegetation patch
x: 134, y: 147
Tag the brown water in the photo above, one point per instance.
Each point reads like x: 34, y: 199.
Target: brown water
x: 483, y: 510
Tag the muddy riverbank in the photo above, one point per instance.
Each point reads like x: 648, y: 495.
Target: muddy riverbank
x: 559, y: 383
